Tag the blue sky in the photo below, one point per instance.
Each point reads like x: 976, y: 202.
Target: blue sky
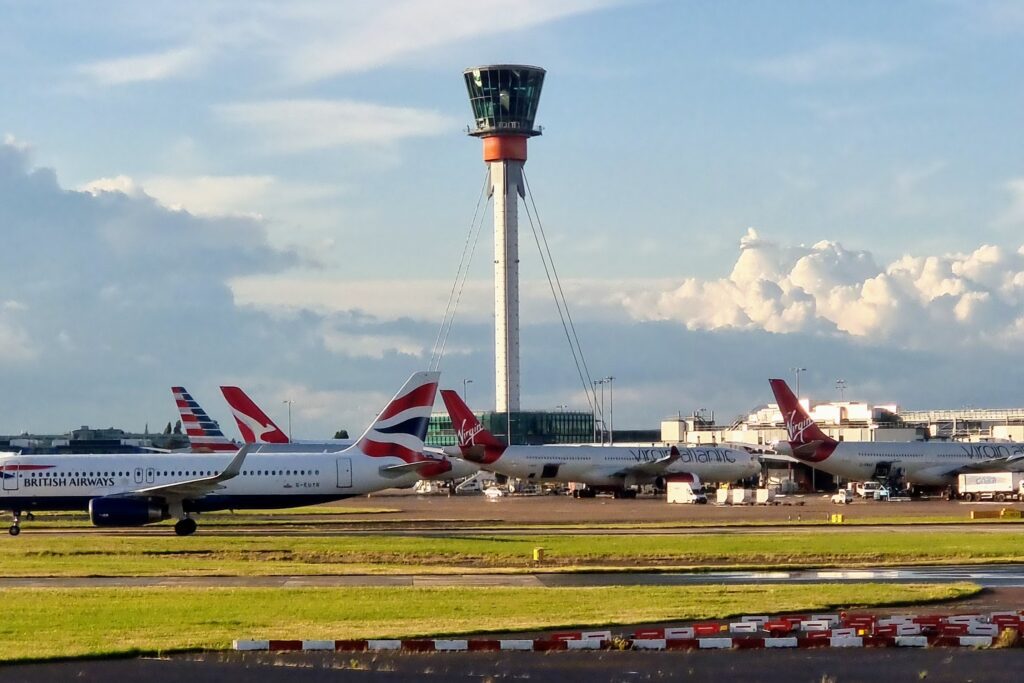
x: 210, y: 192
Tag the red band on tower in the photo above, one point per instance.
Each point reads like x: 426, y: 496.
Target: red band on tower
x: 499, y: 147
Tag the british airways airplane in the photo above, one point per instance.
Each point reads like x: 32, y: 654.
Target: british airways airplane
x: 137, y: 489
x: 618, y: 469
x: 926, y: 463
x: 256, y: 427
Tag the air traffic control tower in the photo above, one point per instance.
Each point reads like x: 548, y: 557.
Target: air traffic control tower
x: 504, y: 98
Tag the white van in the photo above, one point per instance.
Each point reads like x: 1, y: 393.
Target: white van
x: 868, y: 489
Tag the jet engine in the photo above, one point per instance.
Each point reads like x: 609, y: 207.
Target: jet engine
x: 126, y: 511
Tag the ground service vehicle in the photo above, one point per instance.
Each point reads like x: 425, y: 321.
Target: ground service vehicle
x: 998, y: 486
x: 842, y: 497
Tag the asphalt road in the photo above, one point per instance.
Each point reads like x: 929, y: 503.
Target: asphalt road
x: 936, y: 665
x: 988, y: 576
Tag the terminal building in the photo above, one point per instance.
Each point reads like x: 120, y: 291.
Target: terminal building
x: 86, y: 440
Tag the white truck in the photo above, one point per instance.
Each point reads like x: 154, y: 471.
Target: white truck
x: 998, y: 486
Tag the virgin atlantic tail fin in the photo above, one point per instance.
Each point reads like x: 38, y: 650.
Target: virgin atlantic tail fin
x: 801, y: 428
x: 476, y: 443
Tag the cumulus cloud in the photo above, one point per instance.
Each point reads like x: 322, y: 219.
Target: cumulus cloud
x: 914, y: 301
x: 108, y: 297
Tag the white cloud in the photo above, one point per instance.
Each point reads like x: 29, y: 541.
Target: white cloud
x: 300, y: 125
x: 16, y: 144
x: 340, y: 41
x: 1013, y: 216
x: 154, y: 66
x: 121, y: 183
x: 383, y: 299
x: 914, y: 302
x: 835, y: 61
x: 16, y: 344
x: 349, y: 343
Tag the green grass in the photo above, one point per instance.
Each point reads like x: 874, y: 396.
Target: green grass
x: 44, y: 623
x: 96, y: 555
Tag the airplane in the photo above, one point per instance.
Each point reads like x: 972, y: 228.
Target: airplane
x: 256, y: 427
x: 925, y: 463
x: 127, y: 490
x: 204, y: 434
x: 619, y: 469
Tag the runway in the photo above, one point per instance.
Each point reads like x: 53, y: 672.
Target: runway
x: 441, y: 529
x: 987, y: 576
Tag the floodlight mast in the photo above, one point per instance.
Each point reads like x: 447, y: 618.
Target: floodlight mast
x: 504, y: 98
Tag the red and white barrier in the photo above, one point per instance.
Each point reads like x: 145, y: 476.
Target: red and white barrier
x: 751, y: 632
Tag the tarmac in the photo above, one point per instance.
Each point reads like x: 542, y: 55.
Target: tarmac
x: 404, y: 513
x: 987, y: 576
x: 937, y: 665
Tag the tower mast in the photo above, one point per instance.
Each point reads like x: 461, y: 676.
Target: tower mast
x: 504, y: 98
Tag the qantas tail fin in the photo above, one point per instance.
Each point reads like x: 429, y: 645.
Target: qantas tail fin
x: 204, y: 435
x: 476, y: 443
x: 401, y: 428
x: 255, y: 425
x: 801, y: 428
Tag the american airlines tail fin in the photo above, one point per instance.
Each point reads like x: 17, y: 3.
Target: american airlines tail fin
x: 401, y: 428
x: 254, y: 425
x: 476, y: 443
x: 204, y: 435
x: 805, y: 437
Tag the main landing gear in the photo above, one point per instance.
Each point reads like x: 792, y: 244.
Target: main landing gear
x: 185, y: 527
x: 15, y: 528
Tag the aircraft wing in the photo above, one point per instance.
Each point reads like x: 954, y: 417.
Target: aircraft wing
x: 1009, y: 463
x: 196, y: 488
x: 428, y: 467
x: 652, y: 467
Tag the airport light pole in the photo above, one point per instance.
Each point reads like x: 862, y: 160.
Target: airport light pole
x: 289, y: 402
x: 611, y: 409
x: 465, y: 393
x: 797, y: 371
x: 841, y: 386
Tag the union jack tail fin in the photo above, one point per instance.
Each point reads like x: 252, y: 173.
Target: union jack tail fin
x: 401, y: 427
x: 801, y: 428
x: 204, y: 434
x: 254, y: 425
x: 477, y: 444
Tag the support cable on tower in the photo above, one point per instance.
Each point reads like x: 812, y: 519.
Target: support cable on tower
x: 560, y: 302
x: 455, y: 295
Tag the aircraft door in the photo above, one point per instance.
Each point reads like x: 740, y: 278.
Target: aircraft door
x: 344, y: 473
x: 10, y: 477
x: 138, y: 475
x: 150, y: 475
x: 550, y: 471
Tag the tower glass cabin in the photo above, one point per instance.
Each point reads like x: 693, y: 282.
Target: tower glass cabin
x: 504, y: 98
